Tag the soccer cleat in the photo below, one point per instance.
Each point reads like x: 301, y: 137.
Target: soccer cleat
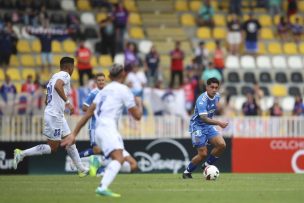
x: 94, y: 165
x: 82, y: 174
x: 17, y: 157
x: 187, y: 176
x: 107, y: 193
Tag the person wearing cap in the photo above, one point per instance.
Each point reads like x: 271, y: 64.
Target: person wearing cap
x: 107, y: 108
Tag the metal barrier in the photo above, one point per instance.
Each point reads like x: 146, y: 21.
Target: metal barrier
x: 29, y: 128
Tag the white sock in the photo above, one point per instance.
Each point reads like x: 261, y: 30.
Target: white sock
x: 110, y: 174
x: 37, y: 150
x: 73, y: 153
x: 126, y: 167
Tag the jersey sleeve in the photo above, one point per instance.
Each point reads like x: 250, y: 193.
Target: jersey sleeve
x: 201, y: 106
x: 65, y: 78
x: 89, y: 99
x: 96, y: 100
x: 128, y: 99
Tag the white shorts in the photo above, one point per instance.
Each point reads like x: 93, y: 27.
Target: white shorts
x: 55, y: 128
x: 108, y: 139
x: 234, y: 37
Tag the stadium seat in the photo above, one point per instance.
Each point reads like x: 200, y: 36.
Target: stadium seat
x: 246, y: 89
x: 265, y: 77
x: 130, y: 5
x: 263, y: 62
x: 102, y: 16
x: 38, y: 60
x: 1, y: 75
x: 219, y: 33
x: 210, y: 45
x: 56, y: 60
x: 75, y: 76
x: 14, y: 74
x: 166, y: 33
x: 265, y: 90
x: 262, y: 48
x: 105, y: 60
x: 281, y: 77
x: 290, y: 48
x: 181, y: 5
x: 294, y: 91
x: 301, y: 6
x: 301, y: 48
x: 27, y: 60
x: 237, y: 102
x: 295, y: 62
x: 266, y: 103
x: 14, y: 61
x: 249, y: 77
x: 187, y: 20
x: 69, y: 46
x: 119, y: 58
x: 287, y: 103
x: 279, y: 90
x: 90, y: 33
x: 232, y: 62
x: 93, y: 61
x: 231, y: 90
x: 279, y: 62
x: 68, y: 5
x: 195, y: 5
x: 23, y: 46
x: 28, y: 71
x: 36, y: 46
x: 296, y: 77
x: 56, y: 47
x: 203, y: 33
x: 83, y: 5
x: 233, y: 77
x: 136, y: 33
x: 267, y: 34
x: 248, y: 62
x: 87, y: 19
x: 134, y: 19
x: 265, y: 20
x: 219, y: 20
x: 276, y: 19
x: 274, y: 48
x: 145, y: 46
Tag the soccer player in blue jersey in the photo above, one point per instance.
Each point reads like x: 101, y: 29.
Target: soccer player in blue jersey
x: 202, y: 128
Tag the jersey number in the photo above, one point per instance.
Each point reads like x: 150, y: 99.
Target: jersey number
x: 49, y: 94
x: 57, y: 133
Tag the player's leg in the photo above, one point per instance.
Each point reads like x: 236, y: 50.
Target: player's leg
x: 93, y: 149
x: 130, y: 164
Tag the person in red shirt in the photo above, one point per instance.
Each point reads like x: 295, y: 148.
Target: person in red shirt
x: 29, y: 86
x: 219, y: 57
x: 83, y: 55
x: 177, y: 66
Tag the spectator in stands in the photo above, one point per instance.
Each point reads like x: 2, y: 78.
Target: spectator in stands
x: 234, y: 36
x: 210, y: 72
x: 8, y: 88
x: 219, y: 56
x: 131, y: 57
x: 276, y: 109
x: 298, y: 109
x: 43, y: 16
x: 235, y: 6
x: 29, y: 86
x: 177, y: 66
x: 283, y: 29
x: 73, y: 23
x: 8, y: 40
x: 83, y: 56
x: 251, y: 28
x: 297, y: 30
x: 274, y: 7
x: 120, y: 20
x: 108, y: 36
x: 258, y: 93
x: 250, y: 107
x: 152, y: 65
x: 205, y: 15
x: 189, y: 91
x: 292, y: 8
x: 136, y: 80
x: 201, y: 56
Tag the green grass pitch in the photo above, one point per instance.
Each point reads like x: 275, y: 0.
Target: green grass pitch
x: 163, y: 188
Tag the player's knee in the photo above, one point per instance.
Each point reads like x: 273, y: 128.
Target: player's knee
x: 134, y: 166
x: 54, y: 148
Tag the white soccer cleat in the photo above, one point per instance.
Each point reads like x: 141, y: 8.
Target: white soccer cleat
x: 17, y: 157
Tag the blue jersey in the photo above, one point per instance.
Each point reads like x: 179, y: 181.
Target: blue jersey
x: 204, y: 106
x: 88, y: 101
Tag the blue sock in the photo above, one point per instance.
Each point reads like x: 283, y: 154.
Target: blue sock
x: 211, y: 159
x: 191, y: 167
x: 85, y: 153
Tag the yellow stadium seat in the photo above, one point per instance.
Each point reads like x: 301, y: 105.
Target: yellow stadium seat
x: 13, y: 73
x: 100, y: 17
x: 1, y: 75
x: 136, y: 33
x: 14, y: 61
x: 301, y: 48
x: 105, y: 60
x: 27, y: 60
x: 293, y: 18
x: 83, y: 5
x: 203, y: 33
x: 45, y: 76
x: 219, y: 20
x: 210, y: 45
x: 56, y: 60
x: 18, y: 86
x: 23, y: 46
x: 75, y: 75
x: 219, y: 33
x: 38, y: 60
x: 265, y: 20
x: 279, y: 90
x: 301, y: 6
x: 187, y: 20
x: 195, y: 5
x: 245, y: 17
x: 290, y: 48
x: 274, y: 48
x: 130, y: 5
x: 266, y: 33
x: 36, y: 46
x: 56, y: 47
x: 276, y: 19
x: 93, y: 61
x: 28, y: 71
x: 69, y: 46
x: 262, y: 48
x: 134, y: 19
x: 214, y: 5
x: 106, y: 72
x: 181, y: 5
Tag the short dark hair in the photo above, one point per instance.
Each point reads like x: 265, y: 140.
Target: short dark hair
x: 213, y: 80
x: 66, y: 60
x: 99, y: 75
x: 116, y: 70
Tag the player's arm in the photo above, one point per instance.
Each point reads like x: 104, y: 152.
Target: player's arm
x: 85, y: 108
x: 59, y: 89
x: 136, y: 111
x: 211, y: 121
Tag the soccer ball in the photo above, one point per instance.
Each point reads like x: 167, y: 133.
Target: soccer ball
x: 211, y: 172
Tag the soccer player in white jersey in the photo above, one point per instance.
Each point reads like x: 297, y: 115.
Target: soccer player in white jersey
x: 107, y: 108
x: 55, y: 125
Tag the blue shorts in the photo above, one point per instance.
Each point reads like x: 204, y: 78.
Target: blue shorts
x: 251, y: 46
x: 92, y: 137
x: 201, y: 135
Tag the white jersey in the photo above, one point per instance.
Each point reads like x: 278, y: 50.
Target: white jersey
x: 110, y: 102
x: 55, y: 104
